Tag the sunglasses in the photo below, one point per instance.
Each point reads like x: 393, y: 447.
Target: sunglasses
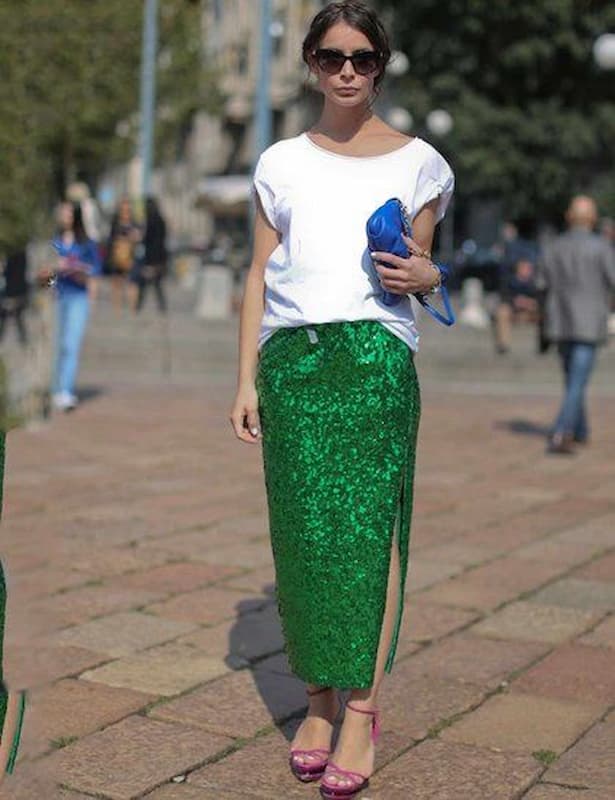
x: 364, y: 62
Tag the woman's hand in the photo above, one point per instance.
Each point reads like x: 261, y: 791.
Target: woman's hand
x: 413, y: 275
x: 244, y: 415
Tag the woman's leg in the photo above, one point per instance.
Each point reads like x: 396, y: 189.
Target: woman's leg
x: 117, y: 292
x: 355, y: 750
x: 76, y: 317
x: 315, y: 731
x: 60, y: 325
x: 160, y: 295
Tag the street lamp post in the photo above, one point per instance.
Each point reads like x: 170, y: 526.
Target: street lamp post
x: 262, y: 132
x: 148, y: 93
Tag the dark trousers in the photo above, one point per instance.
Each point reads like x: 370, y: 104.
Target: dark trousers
x: 151, y: 276
x: 577, y: 359
x: 14, y: 307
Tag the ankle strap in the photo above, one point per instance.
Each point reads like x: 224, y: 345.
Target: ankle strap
x: 372, y: 713
x: 314, y: 692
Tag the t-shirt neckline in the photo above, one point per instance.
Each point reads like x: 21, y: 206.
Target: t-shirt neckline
x: 345, y: 157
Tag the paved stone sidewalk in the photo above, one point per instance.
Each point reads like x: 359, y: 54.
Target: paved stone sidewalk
x: 141, y: 610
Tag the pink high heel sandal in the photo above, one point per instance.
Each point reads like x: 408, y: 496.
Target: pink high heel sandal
x: 312, y: 770
x: 333, y: 791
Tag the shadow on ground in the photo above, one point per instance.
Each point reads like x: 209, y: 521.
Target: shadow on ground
x: 256, y: 642
x: 523, y: 427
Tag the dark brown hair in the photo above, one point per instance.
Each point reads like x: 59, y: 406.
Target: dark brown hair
x: 358, y: 16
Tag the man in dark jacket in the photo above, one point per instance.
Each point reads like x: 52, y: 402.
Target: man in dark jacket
x: 577, y: 270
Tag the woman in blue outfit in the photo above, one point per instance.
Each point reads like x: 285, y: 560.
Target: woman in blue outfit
x: 77, y: 264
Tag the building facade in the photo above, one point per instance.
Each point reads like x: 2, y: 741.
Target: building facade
x: 223, y: 146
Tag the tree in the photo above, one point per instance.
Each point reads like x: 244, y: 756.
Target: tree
x: 71, y: 82
x: 534, y: 116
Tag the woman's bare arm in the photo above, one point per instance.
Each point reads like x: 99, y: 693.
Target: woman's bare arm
x: 424, y: 225
x: 244, y: 415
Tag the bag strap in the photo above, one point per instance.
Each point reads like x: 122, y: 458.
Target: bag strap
x: 449, y: 319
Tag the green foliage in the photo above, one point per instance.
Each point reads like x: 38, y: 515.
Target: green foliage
x: 69, y: 97
x: 534, y: 115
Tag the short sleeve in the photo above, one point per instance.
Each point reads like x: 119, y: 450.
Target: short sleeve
x: 435, y: 180
x: 263, y: 187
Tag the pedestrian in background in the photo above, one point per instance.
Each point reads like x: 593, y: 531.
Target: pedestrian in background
x: 124, y: 237
x: 328, y: 369
x: 151, y: 271
x: 577, y: 272
x: 517, y: 285
x: 77, y: 263
x: 14, y: 293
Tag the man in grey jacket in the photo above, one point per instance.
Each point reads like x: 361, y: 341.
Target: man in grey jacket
x: 577, y: 270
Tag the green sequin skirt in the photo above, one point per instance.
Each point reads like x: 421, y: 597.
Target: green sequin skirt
x: 339, y: 406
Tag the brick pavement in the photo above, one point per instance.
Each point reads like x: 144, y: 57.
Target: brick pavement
x: 141, y: 612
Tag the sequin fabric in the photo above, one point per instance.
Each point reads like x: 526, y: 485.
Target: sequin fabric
x: 3, y: 693
x: 339, y: 407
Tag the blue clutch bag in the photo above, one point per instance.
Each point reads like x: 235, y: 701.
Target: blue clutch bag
x: 384, y: 234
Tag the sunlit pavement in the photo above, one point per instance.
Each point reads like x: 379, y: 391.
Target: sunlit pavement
x: 141, y: 613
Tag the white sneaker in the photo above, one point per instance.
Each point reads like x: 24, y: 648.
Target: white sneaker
x: 64, y: 401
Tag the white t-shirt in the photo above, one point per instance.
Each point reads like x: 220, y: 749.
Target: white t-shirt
x: 320, y: 201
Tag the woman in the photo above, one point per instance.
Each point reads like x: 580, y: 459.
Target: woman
x: 326, y: 379
x: 123, y: 239
x: 153, y: 269
x: 76, y: 267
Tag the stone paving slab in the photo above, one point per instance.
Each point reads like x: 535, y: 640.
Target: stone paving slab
x: 238, y: 705
x: 123, y: 633
x: 259, y: 770
x: 185, y: 791
x: 590, y: 762
x: 80, y: 605
x: 600, y: 569
x: 527, y: 723
x: 578, y: 593
x: 573, y: 672
x: 125, y: 760
x: 28, y: 666
x: 489, y: 585
x: 477, y: 660
x: 247, y: 638
x: 534, y: 622
x: 183, y: 576
x: 603, y: 635
x: 415, y: 704
x: 72, y: 709
x: 425, y: 622
x: 31, y: 782
x: 437, y: 770
x: 208, y: 606
x: 165, y: 671
x: 549, y: 792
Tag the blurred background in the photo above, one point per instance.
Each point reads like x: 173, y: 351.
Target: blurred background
x: 111, y: 101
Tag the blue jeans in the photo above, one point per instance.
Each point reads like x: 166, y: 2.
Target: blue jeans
x: 72, y: 311
x: 577, y: 363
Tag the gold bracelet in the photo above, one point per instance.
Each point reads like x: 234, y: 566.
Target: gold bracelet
x: 424, y: 254
x: 438, y: 285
